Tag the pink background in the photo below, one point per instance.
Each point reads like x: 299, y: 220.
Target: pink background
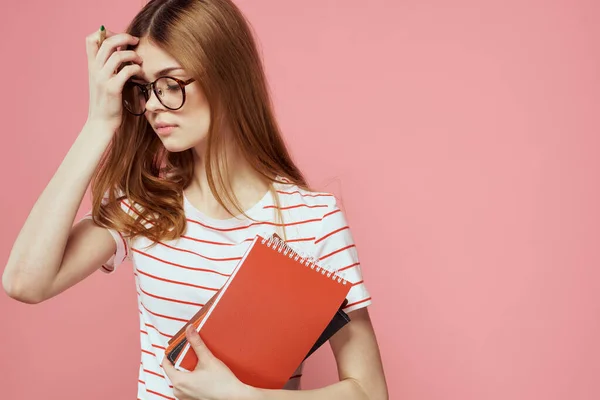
x: 463, y: 138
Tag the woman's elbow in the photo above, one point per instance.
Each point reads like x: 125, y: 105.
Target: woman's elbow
x: 372, y: 389
x: 18, y: 290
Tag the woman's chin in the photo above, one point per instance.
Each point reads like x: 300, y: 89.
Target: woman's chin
x: 174, y: 146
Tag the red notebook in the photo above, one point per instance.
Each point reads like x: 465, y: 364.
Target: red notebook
x: 268, y: 315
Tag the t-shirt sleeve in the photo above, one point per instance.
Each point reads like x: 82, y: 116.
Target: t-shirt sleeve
x: 122, y: 248
x: 335, y: 249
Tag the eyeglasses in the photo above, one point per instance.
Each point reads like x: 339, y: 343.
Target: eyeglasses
x: 168, y: 90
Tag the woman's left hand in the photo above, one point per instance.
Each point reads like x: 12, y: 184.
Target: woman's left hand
x: 210, y: 380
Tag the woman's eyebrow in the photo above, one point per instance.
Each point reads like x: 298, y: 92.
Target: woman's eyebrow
x: 162, y: 72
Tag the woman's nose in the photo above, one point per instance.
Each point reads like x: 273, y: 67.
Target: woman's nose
x: 153, y: 104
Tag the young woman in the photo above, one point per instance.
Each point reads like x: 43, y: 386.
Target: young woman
x: 187, y: 165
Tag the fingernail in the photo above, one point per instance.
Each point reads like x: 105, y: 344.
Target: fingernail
x: 102, y: 28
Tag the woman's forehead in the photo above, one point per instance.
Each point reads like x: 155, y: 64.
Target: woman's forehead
x: 155, y: 61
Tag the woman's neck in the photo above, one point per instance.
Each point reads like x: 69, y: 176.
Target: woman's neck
x: 248, y: 186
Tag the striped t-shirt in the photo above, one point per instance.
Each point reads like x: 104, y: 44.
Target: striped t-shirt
x: 175, y: 278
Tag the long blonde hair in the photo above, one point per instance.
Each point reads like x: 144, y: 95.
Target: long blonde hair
x: 212, y: 40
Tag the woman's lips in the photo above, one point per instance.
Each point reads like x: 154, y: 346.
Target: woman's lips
x: 164, y: 130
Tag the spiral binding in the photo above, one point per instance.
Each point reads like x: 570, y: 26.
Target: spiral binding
x: 281, y: 246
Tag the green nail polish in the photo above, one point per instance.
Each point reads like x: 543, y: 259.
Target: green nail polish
x: 102, y: 28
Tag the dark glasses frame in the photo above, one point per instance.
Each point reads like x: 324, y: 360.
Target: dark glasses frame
x: 151, y: 86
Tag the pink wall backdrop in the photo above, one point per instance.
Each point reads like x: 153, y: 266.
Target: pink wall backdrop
x: 463, y: 137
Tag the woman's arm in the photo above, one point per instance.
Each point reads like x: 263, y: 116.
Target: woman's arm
x: 48, y: 241
x: 356, y: 353
x: 49, y: 254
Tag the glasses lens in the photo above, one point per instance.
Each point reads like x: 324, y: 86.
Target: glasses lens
x: 169, y: 93
x: 134, y: 98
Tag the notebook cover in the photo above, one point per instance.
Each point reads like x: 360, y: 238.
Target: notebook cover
x: 251, y: 327
x: 177, y: 343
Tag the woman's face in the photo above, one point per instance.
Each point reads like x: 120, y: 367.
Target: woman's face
x: 180, y: 129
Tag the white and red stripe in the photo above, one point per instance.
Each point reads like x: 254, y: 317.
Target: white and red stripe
x: 175, y: 278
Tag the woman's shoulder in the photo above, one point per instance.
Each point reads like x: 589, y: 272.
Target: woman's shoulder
x: 293, y: 196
